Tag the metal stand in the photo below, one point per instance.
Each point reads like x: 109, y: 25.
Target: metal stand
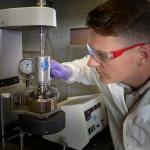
x: 21, y: 139
x: 65, y: 147
x: 2, y: 122
x: 53, y: 124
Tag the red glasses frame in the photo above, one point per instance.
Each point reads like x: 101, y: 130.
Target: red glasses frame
x: 103, y: 56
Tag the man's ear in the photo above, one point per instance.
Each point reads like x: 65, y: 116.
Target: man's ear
x: 144, y: 55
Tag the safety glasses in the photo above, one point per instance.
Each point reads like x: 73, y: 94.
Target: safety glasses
x: 100, y: 56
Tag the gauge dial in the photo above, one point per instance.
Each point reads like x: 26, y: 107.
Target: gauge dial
x: 26, y: 66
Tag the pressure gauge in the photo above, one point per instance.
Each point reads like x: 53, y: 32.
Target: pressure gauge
x: 26, y: 66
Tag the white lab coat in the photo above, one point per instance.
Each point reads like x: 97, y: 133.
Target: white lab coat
x: 130, y: 129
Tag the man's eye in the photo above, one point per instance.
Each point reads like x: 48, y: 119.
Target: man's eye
x: 102, y: 55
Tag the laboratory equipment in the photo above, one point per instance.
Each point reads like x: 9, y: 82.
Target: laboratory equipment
x: 41, y: 96
x: 85, y: 117
x: 34, y: 103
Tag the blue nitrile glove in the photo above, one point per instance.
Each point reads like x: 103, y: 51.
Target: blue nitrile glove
x: 59, y: 71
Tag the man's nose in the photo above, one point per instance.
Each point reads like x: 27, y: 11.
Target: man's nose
x: 92, y: 62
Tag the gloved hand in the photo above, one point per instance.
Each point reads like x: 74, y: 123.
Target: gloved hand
x: 59, y: 71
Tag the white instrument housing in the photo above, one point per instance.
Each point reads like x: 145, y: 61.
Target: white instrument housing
x: 85, y: 117
x: 27, y: 16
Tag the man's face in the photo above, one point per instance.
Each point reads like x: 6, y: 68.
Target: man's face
x: 119, y: 69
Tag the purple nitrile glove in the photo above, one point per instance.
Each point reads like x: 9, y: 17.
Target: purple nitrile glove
x: 59, y: 71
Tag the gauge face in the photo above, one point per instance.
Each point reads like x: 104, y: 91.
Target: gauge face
x: 26, y: 66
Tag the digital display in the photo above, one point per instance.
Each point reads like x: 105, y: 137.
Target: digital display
x: 88, y: 112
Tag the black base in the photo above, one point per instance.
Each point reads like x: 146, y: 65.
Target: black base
x: 50, y: 125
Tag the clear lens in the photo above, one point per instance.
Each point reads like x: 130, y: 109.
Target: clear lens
x: 98, y: 55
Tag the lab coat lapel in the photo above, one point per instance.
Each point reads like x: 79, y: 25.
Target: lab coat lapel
x: 118, y: 97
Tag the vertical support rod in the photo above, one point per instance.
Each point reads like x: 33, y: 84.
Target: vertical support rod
x: 2, y: 122
x: 42, y: 40
x: 2, y: 96
x: 21, y: 139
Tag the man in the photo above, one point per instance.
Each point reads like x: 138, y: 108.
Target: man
x: 119, y: 64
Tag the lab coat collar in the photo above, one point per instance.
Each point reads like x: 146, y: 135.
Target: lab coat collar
x: 140, y: 91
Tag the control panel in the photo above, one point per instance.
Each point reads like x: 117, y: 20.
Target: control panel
x: 95, y: 116
x: 92, y: 118
x: 85, y: 117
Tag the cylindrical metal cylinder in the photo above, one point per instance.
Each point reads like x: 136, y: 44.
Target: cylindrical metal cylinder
x: 42, y: 105
x: 43, y: 70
